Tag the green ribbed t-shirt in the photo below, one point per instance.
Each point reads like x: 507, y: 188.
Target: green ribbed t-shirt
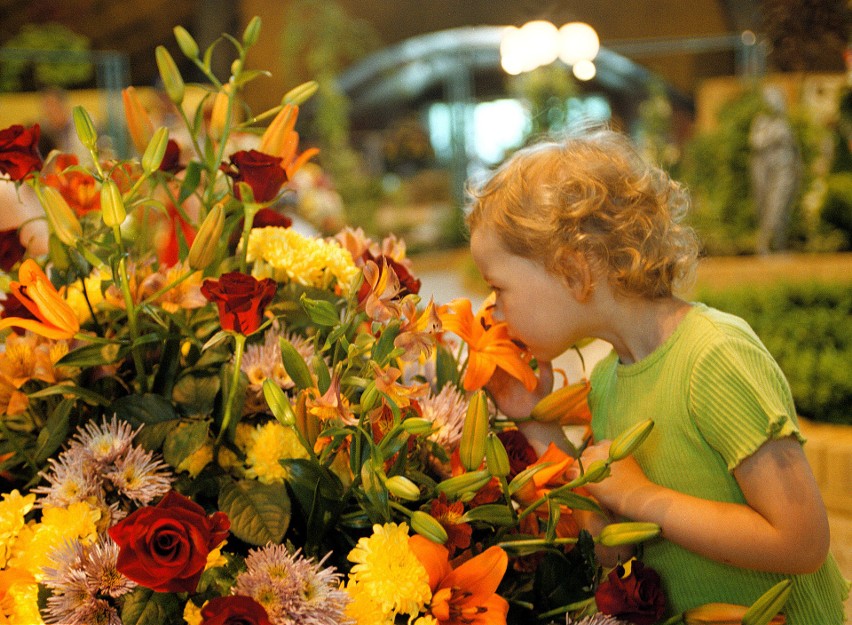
x: 715, y: 395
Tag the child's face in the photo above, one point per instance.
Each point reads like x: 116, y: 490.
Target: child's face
x: 539, y: 308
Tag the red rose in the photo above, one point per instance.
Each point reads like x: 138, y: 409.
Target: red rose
x: 264, y: 218
x: 262, y: 172
x: 19, y: 154
x: 241, y: 300
x: 171, y: 158
x: 11, y: 250
x: 521, y: 453
x: 637, y: 598
x: 165, y: 547
x: 234, y: 610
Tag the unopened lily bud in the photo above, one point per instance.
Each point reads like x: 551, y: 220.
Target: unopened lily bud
x: 170, y: 75
x: 219, y: 112
x: 418, y: 425
x: 156, y: 150
x: 428, y: 527
x: 278, y: 403
x: 299, y: 94
x: 206, y: 243
x: 252, y: 32
x: 112, y: 205
x: 596, y: 471
x: 186, y: 42
x: 722, y: 614
x: 767, y: 606
x: 625, y: 443
x: 85, y: 128
x: 139, y: 124
x: 561, y: 403
x: 617, y: 534
x: 474, y: 432
x: 369, y: 398
x: 62, y: 219
x: 464, y: 483
x: 295, y: 365
x: 403, y: 488
x: 496, y: 457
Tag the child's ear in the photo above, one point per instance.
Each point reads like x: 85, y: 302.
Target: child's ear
x: 577, y: 273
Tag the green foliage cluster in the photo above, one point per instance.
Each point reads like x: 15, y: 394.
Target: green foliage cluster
x: 806, y: 328
x: 53, y: 71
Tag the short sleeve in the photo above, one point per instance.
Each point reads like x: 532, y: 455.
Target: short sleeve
x: 739, y: 398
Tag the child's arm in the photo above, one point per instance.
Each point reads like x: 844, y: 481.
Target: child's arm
x: 783, y: 529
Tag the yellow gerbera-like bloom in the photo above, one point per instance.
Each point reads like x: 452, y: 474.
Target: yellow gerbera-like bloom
x: 270, y: 443
x: 286, y: 255
x: 37, y: 541
x: 389, y: 572
x: 13, y: 508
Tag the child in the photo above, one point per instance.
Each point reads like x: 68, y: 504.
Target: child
x: 580, y: 238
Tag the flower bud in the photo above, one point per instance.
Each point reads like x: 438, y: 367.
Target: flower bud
x: 466, y: 482
x: 625, y: 443
x: 561, y: 403
x: 617, y: 534
x: 186, y: 42
x: 170, y: 75
x: 219, y: 112
x: 596, y: 471
x: 295, y: 365
x: 403, y: 488
x: 767, y: 606
x: 418, y: 425
x: 156, y: 150
x: 112, y: 205
x: 252, y: 32
x: 299, y: 94
x: 139, y: 124
x: 206, y: 242
x: 428, y: 527
x: 62, y: 219
x: 474, y: 432
x: 85, y: 128
x: 278, y: 403
x: 496, y: 457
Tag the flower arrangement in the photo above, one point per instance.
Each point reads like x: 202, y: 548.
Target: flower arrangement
x: 208, y: 417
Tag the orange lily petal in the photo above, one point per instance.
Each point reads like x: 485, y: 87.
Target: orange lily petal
x: 55, y: 318
x: 481, y: 575
x: 433, y: 557
x: 139, y: 124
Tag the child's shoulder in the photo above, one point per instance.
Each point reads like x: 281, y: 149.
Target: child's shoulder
x: 717, y: 325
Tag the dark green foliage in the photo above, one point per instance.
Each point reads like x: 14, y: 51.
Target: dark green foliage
x: 806, y: 328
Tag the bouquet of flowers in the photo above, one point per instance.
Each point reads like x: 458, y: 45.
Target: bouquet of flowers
x: 208, y: 417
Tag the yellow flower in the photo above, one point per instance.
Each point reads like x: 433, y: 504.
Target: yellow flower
x: 269, y: 444
x: 196, y: 461
x: 77, y: 300
x: 390, y: 572
x: 286, y: 255
x: 192, y: 614
x: 363, y: 608
x: 36, y: 541
x: 13, y: 508
x: 18, y: 598
x: 54, y: 317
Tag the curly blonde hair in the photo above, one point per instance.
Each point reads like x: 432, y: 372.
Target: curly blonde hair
x: 591, y: 193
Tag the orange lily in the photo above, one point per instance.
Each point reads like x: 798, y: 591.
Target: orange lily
x: 139, y: 124
x: 417, y: 335
x: 282, y: 141
x: 553, y: 475
x: 55, y: 319
x: 489, y: 345
x: 722, y: 614
x: 465, y: 595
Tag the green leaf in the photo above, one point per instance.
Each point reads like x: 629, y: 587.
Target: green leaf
x: 249, y: 75
x: 446, y: 369
x: 90, y: 397
x: 145, y: 409
x: 183, y: 441
x: 320, y: 368
x: 93, y: 355
x: 192, y: 176
x: 384, y: 345
x: 496, y: 514
x: 259, y: 513
x: 196, y: 392
x: 576, y: 502
x: 54, y: 432
x: 143, y: 606
x: 321, y: 312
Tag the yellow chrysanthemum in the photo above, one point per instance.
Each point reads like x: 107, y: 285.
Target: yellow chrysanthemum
x: 363, y: 608
x: 77, y: 301
x: 197, y: 460
x: 13, y: 508
x: 270, y: 443
x: 192, y: 614
x: 286, y: 255
x: 427, y: 620
x: 18, y: 599
x: 37, y: 541
x: 389, y: 571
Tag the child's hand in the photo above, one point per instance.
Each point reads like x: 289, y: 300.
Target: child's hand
x: 627, y: 478
x: 515, y: 401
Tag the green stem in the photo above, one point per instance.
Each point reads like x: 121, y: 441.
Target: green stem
x: 153, y: 297
x: 531, y: 508
x: 132, y: 319
x: 678, y: 618
x: 400, y: 508
x: 250, y: 210
x: 240, y: 340
x: 18, y: 447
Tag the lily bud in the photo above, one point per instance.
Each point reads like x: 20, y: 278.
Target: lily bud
x: 403, y: 488
x: 767, y: 606
x: 295, y: 365
x: 156, y: 150
x: 206, y: 242
x: 596, y: 471
x: 219, y: 113
x: 299, y: 94
x: 85, y: 128
x: 428, y: 527
x: 561, y: 403
x: 186, y: 42
x: 496, y: 457
x: 62, y: 219
x: 617, y: 534
x: 139, y: 124
x: 112, y: 205
x: 464, y: 483
x: 170, y: 75
x: 278, y: 403
x: 418, y: 425
x: 626, y: 442
x: 474, y: 432
x: 722, y: 614
x: 252, y: 32
x: 275, y: 136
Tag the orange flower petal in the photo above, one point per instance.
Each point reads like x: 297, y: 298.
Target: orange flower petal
x: 433, y: 557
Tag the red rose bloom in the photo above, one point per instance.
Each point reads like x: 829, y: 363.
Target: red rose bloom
x: 521, y: 453
x: 262, y: 172
x: 165, y: 547
x: 234, y: 610
x: 171, y: 158
x: 241, y: 300
x: 19, y: 154
x: 637, y: 598
x: 11, y: 250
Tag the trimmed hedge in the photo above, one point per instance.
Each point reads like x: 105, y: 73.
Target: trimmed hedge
x: 806, y: 327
